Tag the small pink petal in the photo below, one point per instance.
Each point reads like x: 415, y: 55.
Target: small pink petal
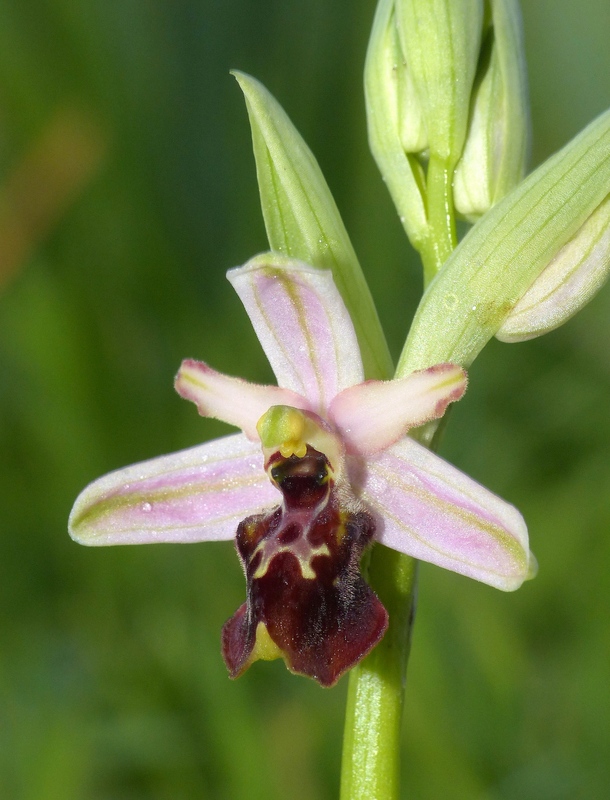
x: 195, y: 495
x: 231, y: 400
x: 302, y: 324
x: 375, y: 414
x: 430, y: 510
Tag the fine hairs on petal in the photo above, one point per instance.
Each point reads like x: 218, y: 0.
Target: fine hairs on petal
x: 231, y: 400
x: 375, y: 414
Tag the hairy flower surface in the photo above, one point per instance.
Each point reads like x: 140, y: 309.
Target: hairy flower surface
x: 336, y: 472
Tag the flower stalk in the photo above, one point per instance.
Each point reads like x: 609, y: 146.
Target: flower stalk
x: 441, y: 239
x: 375, y: 698
x: 371, y: 759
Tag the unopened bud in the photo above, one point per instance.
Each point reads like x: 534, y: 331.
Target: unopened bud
x: 567, y: 284
x: 440, y: 40
x: 395, y: 121
x: 493, y: 161
x: 411, y: 123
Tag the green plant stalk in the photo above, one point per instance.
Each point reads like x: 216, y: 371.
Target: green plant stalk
x: 371, y: 743
x: 441, y: 239
x: 370, y: 767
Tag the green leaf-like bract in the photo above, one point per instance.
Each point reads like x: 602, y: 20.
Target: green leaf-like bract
x: 302, y: 219
x: 506, y: 250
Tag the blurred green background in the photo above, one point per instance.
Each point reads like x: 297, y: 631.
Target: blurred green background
x: 127, y: 188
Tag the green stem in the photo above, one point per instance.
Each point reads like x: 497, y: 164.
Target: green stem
x: 441, y: 239
x: 370, y: 769
x: 371, y: 745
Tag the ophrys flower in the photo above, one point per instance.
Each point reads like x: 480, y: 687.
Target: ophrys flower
x: 335, y: 447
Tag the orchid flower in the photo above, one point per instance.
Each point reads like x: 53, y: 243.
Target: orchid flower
x: 323, y: 467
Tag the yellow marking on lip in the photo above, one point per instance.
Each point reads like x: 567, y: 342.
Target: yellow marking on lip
x: 304, y: 561
x: 264, y: 646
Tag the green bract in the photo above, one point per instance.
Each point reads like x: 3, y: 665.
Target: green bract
x: 504, y: 253
x: 302, y: 219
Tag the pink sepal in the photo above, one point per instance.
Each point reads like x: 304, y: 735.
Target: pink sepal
x: 195, y: 495
x: 430, y: 510
x: 302, y: 324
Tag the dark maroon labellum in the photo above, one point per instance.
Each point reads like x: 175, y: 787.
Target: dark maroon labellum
x: 306, y: 599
